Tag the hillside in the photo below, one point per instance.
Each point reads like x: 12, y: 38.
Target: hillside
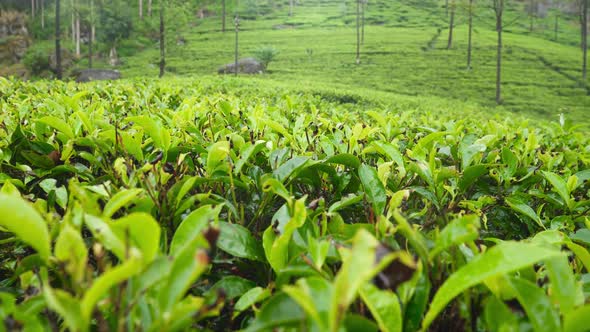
x: 404, y: 53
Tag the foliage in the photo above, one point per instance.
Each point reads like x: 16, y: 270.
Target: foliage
x: 115, y: 22
x: 221, y: 205
x: 36, y: 61
x: 266, y: 54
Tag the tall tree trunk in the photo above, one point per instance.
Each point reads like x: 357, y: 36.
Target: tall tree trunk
x: 556, y: 28
x: 358, y: 32
x: 90, y: 34
x: 470, y: 36
x: 451, y: 25
x: 532, y: 11
x: 90, y: 41
x: 290, y: 7
x: 236, y: 50
x: 141, y: 9
x: 585, y: 39
x: 499, y: 14
x: 73, y: 24
x: 364, y: 5
x: 150, y: 8
x: 33, y: 9
x: 42, y: 14
x: 57, y: 42
x: 162, y: 47
x: 77, y: 34
x: 447, y: 8
x: 223, y: 12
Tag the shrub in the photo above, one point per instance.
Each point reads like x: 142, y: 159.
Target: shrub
x: 36, y: 61
x: 266, y: 54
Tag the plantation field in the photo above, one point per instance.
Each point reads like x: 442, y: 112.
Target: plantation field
x: 404, y: 53
x: 232, y: 204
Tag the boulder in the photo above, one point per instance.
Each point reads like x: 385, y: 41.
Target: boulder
x: 245, y: 66
x: 88, y: 75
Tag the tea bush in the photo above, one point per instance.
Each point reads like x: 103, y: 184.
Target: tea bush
x: 166, y: 206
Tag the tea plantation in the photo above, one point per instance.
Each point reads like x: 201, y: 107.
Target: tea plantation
x: 404, y: 52
x: 227, y: 204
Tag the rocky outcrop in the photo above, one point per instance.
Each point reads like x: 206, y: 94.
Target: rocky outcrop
x: 245, y: 66
x: 89, y: 75
x: 13, y: 23
x: 14, y: 37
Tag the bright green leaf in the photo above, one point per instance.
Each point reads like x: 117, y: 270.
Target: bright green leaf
x: 20, y: 218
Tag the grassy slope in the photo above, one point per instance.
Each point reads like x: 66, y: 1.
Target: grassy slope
x: 540, y: 76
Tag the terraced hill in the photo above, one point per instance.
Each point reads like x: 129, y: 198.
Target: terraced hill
x: 405, y: 52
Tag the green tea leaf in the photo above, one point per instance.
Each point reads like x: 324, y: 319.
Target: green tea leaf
x: 499, y: 317
x: 390, y: 151
x: 247, y: 153
x: 250, y: 298
x: 374, y: 188
x: 522, y: 208
x: 345, y: 159
x: 458, y: 231
x: 384, y: 306
x: 186, y: 187
x: 345, y: 202
x: 537, y: 305
x: 511, y: 161
x: 424, y: 145
x: 181, y: 315
x: 58, y: 124
x: 358, y: 268
x: 101, y: 286
x: 141, y: 231
x: 217, y: 153
x: 559, y: 185
x: 580, y: 252
x: 276, y: 246
x: 119, y: 200
x: 189, y: 264
x: 313, y: 295
x: 280, y: 310
x: 66, y: 306
x: 193, y: 226
x: 20, y: 218
x: 237, y: 241
x: 153, y: 129
x: 290, y: 168
x: 565, y: 290
x: 232, y: 286
x: 577, y: 320
x: 469, y: 152
x: 582, y: 177
x: 581, y: 236
x: 103, y: 232
x: 71, y: 249
x: 470, y: 175
x: 503, y: 258
x: 417, y: 306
